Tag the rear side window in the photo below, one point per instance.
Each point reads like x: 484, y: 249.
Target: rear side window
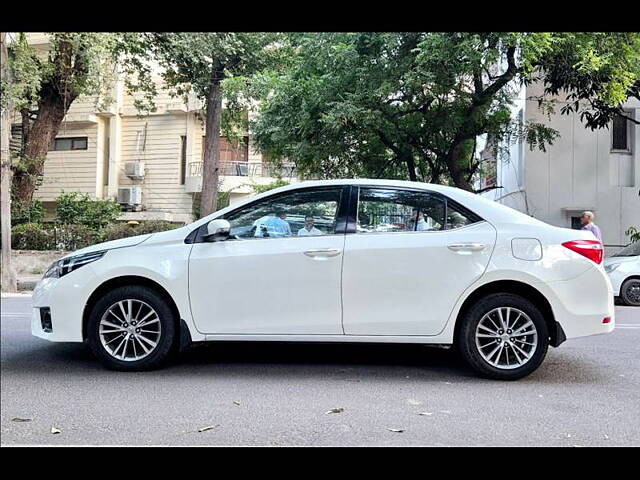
x: 394, y: 210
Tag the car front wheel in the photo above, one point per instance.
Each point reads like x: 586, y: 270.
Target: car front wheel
x: 131, y: 328
x: 503, y: 337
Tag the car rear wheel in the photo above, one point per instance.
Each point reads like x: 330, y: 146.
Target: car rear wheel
x: 503, y: 336
x: 131, y: 328
x: 630, y: 292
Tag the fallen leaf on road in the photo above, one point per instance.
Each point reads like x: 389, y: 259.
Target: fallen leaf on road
x: 396, y: 430
x: 204, y: 429
x: 335, y: 410
x: 55, y: 430
x: 18, y: 419
x: 235, y: 402
x: 426, y: 413
x: 606, y: 437
x: 411, y: 401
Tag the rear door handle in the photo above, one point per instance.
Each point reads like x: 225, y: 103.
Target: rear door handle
x: 322, y: 252
x: 466, y: 247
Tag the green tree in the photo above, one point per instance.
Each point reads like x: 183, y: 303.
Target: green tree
x: 205, y: 64
x: 412, y: 105
x: 45, y: 85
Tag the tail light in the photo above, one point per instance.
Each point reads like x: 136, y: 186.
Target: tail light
x: 592, y: 249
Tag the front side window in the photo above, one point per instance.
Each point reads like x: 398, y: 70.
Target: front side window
x: 391, y: 210
x: 295, y: 214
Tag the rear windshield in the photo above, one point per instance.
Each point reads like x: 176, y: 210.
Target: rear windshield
x: 630, y: 250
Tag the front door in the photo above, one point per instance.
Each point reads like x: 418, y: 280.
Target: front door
x: 279, y: 273
x: 413, y: 254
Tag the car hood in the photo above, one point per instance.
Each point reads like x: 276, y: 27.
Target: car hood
x: 120, y: 243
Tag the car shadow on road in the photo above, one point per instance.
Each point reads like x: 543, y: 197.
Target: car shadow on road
x: 255, y: 360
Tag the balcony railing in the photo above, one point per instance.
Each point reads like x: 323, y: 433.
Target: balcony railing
x: 245, y: 169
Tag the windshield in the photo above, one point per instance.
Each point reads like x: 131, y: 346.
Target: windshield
x: 630, y: 250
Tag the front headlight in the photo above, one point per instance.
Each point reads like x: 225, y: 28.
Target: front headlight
x: 611, y: 267
x: 67, y: 265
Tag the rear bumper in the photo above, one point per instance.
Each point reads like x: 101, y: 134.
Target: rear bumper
x: 581, y: 304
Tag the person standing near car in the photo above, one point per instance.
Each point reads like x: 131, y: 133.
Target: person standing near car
x: 587, y: 224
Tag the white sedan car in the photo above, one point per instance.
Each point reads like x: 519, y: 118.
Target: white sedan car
x: 624, y: 271
x: 494, y: 283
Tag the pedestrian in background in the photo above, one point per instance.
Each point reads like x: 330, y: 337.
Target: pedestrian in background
x: 587, y: 224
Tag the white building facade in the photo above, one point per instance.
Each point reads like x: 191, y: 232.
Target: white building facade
x: 582, y: 170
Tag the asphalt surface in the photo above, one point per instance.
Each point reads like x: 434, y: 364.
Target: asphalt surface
x: 587, y: 392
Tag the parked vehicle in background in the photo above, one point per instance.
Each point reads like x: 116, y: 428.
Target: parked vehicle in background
x: 624, y: 271
x: 396, y: 262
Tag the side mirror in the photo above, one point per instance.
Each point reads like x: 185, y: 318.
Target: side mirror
x: 217, y: 231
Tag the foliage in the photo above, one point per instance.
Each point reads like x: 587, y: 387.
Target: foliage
x: 38, y: 236
x: 80, y: 208
x: 633, y: 233
x: 73, y: 237
x: 411, y: 105
x: 124, y: 230
x: 597, y: 71
x: 31, y: 236
x: 26, y: 213
x: 269, y: 186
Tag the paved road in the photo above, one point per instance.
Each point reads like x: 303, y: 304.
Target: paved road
x: 586, y: 393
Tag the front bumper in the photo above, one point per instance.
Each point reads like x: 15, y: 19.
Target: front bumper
x: 66, y: 298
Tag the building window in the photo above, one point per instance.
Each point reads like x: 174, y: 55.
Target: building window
x: 620, y: 134
x: 231, y: 151
x: 576, y: 223
x: 183, y: 158
x: 69, y: 143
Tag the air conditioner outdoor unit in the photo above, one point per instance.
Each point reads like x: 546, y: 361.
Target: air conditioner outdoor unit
x: 134, y: 170
x: 130, y: 196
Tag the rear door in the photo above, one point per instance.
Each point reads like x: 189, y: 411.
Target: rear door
x: 412, y: 255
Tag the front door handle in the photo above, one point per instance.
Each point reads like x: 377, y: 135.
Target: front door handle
x: 466, y: 247
x: 322, y: 252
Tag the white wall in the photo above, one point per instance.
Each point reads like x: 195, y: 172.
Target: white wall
x: 577, y: 172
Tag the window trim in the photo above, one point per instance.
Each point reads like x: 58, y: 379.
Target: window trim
x: 629, y: 124
x: 72, y: 139
x: 352, y: 227
x: 197, y: 235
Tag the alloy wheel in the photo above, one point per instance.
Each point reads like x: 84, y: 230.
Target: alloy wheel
x: 506, y: 338
x: 130, y: 330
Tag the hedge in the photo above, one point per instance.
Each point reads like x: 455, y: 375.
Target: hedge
x: 39, y: 236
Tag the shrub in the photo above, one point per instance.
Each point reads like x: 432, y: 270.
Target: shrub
x: 80, y: 209
x: 117, y: 231
x: 37, y: 236
x: 22, y: 213
x: 31, y: 236
x: 124, y: 230
x: 74, y: 237
x: 154, y: 226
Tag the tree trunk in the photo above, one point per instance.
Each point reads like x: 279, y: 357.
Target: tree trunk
x: 52, y: 108
x: 457, y: 171
x: 211, y: 160
x: 411, y: 166
x: 8, y: 281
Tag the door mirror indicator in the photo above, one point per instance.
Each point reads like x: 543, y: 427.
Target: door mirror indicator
x: 217, y: 231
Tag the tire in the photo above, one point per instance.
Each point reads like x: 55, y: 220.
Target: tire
x: 106, y: 329
x: 522, y: 352
x: 630, y: 292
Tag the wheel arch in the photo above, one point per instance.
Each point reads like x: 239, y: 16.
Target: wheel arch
x: 522, y: 289
x: 127, y: 281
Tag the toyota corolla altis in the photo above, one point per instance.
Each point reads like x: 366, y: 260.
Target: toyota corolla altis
x: 336, y: 261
